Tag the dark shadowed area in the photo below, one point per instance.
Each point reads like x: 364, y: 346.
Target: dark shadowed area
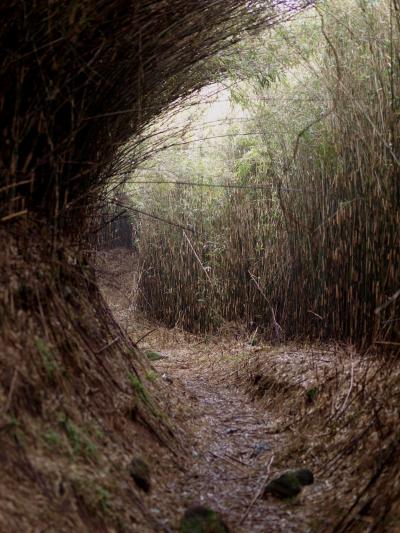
x: 102, y: 428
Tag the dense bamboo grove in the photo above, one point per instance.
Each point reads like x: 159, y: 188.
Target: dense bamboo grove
x: 79, y: 80
x: 316, y: 252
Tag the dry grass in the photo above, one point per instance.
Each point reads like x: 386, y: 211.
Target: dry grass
x: 315, y: 254
x: 72, y: 416
x: 78, y: 81
x: 338, y: 411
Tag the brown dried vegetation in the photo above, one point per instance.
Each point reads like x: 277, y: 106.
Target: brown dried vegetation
x: 78, y: 399
x: 304, y: 240
x: 324, y: 407
x: 78, y: 80
x: 339, y: 412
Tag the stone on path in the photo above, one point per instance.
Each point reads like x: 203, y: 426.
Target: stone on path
x: 140, y: 473
x: 290, y: 483
x: 305, y: 476
x: 199, y: 519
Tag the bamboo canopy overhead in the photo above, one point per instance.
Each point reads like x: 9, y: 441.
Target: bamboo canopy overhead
x: 81, y: 78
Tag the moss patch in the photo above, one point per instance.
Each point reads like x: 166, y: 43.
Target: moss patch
x: 154, y: 356
x: 138, y: 388
x: 202, y: 520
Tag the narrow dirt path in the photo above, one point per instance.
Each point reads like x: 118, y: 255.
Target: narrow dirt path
x: 232, y: 450
x: 321, y: 415
x: 229, y: 439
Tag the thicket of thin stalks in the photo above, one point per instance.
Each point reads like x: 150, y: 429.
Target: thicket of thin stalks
x: 316, y: 253
x: 210, y: 272
x: 113, y: 226
x: 344, y: 235
x: 80, y: 80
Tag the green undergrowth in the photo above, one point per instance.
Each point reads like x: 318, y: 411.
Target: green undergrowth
x: 143, y: 396
x: 139, y: 389
x: 153, y: 355
x: 50, y: 361
x: 97, y: 498
x: 81, y: 444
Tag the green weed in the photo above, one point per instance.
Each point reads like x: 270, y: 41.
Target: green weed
x: 96, y: 498
x: 153, y: 356
x: 103, y: 497
x: 151, y: 375
x: 80, y: 444
x: 52, y: 438
x: 14, y: 427
x: 49, y: 362
x: 138, y: 388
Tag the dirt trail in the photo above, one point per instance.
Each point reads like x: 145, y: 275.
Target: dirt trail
x: 230, y: 442
x: 232, y: 450
x: 317, y: 407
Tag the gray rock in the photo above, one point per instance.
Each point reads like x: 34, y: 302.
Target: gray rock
x: 260, y: 448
